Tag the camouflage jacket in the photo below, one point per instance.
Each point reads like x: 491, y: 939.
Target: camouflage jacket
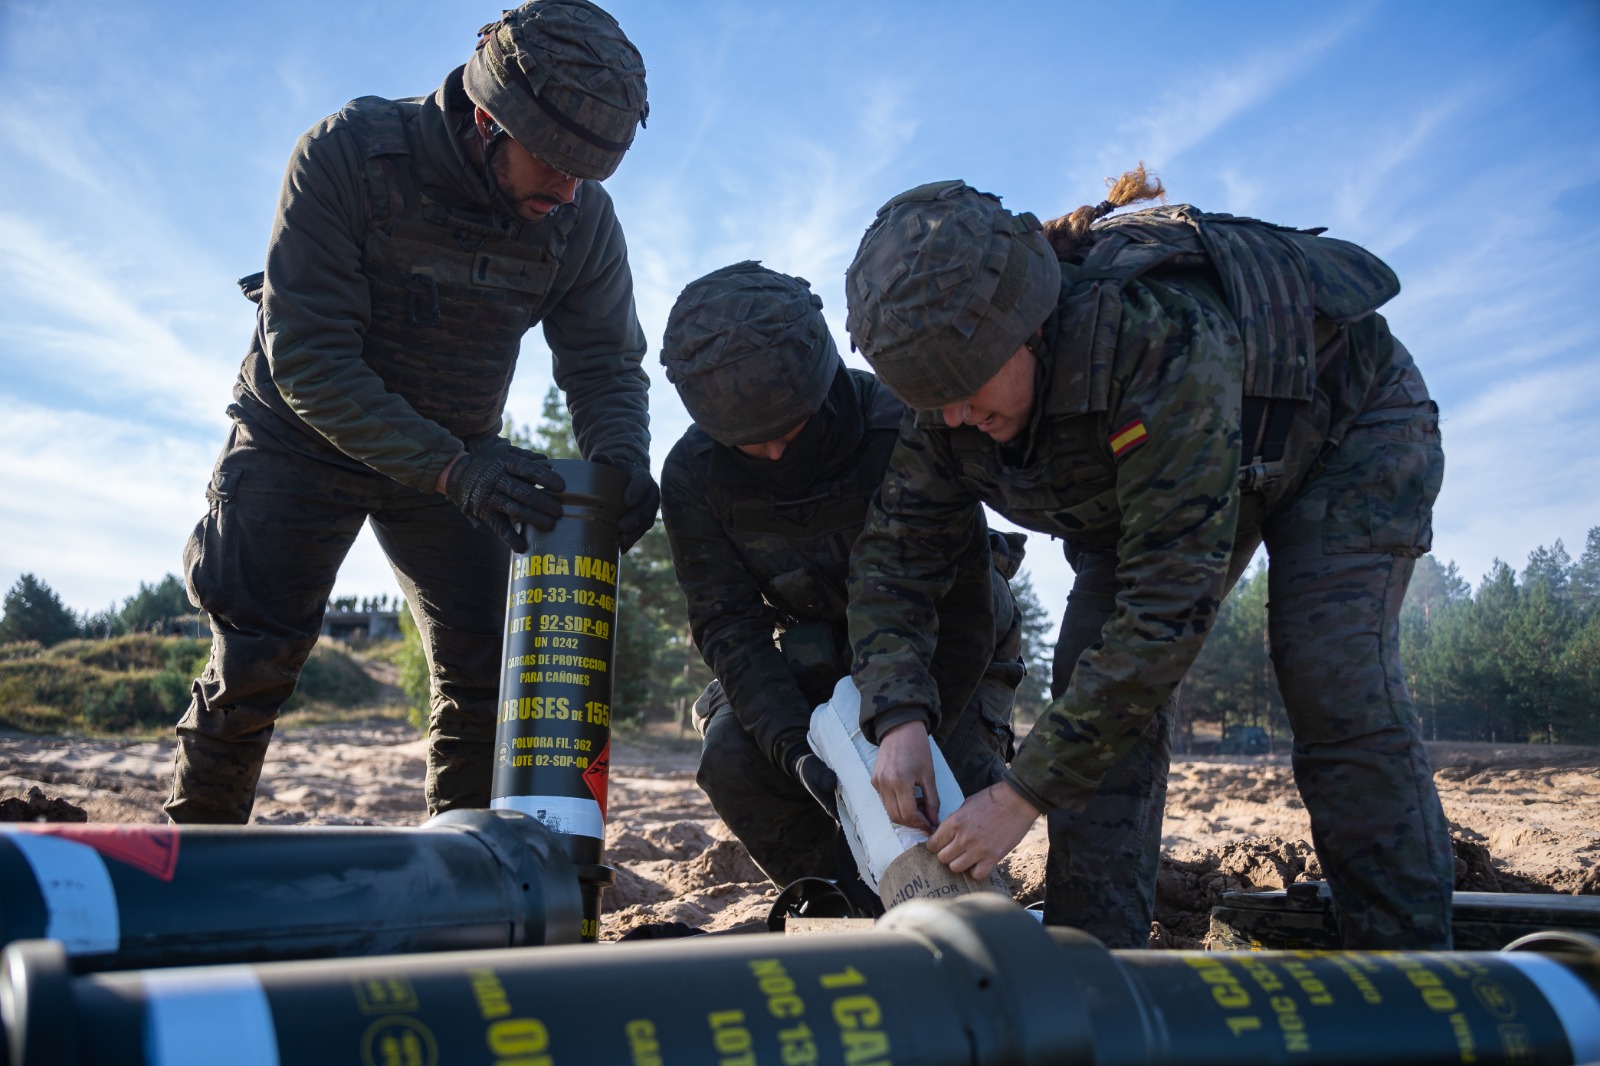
x: 1134, y: 450
x: 394, y: 302
x: 763, y: 548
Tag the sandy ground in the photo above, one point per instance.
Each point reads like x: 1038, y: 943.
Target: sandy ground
x: 1526, y: 818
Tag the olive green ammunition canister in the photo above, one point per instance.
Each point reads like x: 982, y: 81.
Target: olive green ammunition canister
x: 553, y: 733
x: 133, y: 896
x: 970, y: 981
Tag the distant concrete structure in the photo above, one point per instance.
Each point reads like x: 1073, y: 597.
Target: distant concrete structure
x: 369, y: 619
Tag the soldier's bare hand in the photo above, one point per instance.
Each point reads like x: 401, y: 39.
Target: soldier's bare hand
x: 905, y: 765
x: 983, y: 830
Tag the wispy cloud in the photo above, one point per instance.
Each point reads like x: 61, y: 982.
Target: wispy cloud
x: 105, y: 335
x: 1240, y: 76
x: 1522, y: 468
x: 92, y: 500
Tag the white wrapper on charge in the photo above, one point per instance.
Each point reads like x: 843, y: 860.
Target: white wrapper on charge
x: 835, y: 735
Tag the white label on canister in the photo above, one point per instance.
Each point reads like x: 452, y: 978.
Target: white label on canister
x: 77, y: 893
x: 562, y: 814
x: 1572, y: 1000
x: 207, y: 1016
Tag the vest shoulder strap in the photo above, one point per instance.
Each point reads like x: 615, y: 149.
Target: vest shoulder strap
x: 379, y: 130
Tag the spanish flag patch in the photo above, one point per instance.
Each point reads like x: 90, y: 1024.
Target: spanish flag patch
x: 1128, y: 436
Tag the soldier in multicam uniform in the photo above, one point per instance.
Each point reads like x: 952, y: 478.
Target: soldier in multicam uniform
x: 416, y: 241
x: 762, y: 499
x: 1164, y: 390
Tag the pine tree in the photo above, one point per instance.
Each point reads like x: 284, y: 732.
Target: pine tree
x: 1480, y: 665
x: 1550, y: 567
x: 1580, y: 670
x: 1585, y: 576
x: 1433, y: 590
x: 553, y: 435
x: 1232, y: 680
x: 154, y: 605
x: 34, y: 612
x: 1033, y: 695
x: 1536, y: 635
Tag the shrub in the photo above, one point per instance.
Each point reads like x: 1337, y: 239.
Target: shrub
x: 332, y: 676
x: 136, y: 651
x: 415, y: 680
x: 141, y: 681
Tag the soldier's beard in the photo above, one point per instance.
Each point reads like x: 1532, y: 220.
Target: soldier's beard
x: 528, y: 205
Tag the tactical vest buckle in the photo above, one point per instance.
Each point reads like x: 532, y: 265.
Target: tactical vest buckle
x: 1260, y: 475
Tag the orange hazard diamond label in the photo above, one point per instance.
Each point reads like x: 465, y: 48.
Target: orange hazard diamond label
x: 598, y: 776
x: 150, y: 848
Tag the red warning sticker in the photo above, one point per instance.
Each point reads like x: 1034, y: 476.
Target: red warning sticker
x: 598, y: 776
x: 150, y: 848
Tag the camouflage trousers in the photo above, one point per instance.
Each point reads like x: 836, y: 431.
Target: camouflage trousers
x: 786, y: 832
x: 1341, y: 549
x: 262, y: 564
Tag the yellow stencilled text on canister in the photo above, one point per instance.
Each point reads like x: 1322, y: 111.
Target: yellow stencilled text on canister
x: 519, y: 1042
x: 1225, y: 986
x: 540, y: 566
x: 643, y: 1045
x: 1434, y: 994
x: 1291, y: 1023
x: 859, y: 1018
x: 779, y: 988
x: 490, y: 994
x: 602, y: 570
x: 731, y: 1037
x: 551, y: 708
x: 1229, y: 993
x: 1350, y: 967
x: 1317, y: 993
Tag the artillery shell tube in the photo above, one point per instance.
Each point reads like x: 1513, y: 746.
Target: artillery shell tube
x: 553, y: 732
x: 972, y: 981
x: 130, y: 896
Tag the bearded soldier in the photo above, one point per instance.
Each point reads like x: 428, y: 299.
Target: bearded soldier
x: 416, y: 241
x: 762, y: 499
x: 1163, y: 390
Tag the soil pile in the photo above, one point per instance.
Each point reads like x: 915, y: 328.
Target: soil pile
x: 1525, y: 818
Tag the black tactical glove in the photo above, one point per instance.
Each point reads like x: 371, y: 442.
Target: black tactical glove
x: 640, y: 501
x: 504, y: 487
x: 823, y: 784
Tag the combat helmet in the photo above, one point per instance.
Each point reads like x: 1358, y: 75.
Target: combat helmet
x: 945, y: 287
x: 749, y: 353
x: 564, y: 81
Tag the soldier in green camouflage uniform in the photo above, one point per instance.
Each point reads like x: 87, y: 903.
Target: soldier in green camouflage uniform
x: 762, y: 500
x: 416, y: 241
x: 1176, y: 390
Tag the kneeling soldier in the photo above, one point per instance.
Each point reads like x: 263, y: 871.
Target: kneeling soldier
x: 763, y: 499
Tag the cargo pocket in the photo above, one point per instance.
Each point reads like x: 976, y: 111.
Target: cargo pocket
x: 997, y: 699
x: 1382, y: 481
x: 203, y: 553
x: 818, y: 655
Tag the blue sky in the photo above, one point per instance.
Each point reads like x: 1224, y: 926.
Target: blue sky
x: 141, y: 148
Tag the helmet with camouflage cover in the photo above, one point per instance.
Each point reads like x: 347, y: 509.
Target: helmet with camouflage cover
x: 749, y: 353
x: 564, y: 81
x: 945, y: 287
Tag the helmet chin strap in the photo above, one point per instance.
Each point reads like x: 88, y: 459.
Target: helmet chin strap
x: 490, y: 134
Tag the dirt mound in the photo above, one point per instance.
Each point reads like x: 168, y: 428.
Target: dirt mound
x: 658, y: 840
x: 1525, y: 818
x: 1193, y: 880
x: 38, y: 807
